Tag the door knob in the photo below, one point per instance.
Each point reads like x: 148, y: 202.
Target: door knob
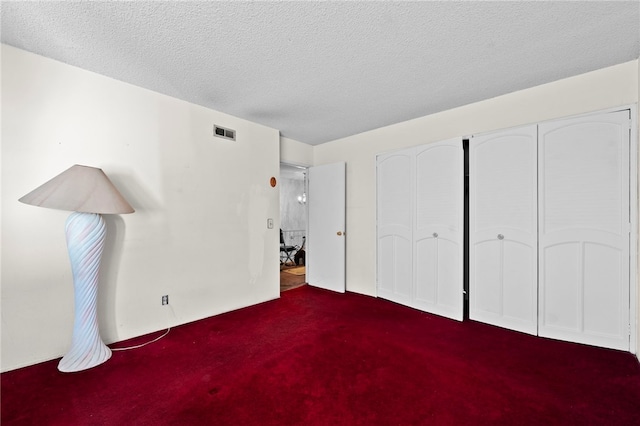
x: 435, y: 235
x: 500, y: 237
x: 339, y: 233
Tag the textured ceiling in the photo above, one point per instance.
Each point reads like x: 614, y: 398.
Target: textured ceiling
x: 319, y: 71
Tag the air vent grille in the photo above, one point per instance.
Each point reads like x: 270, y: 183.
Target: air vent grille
x: 222, y: 132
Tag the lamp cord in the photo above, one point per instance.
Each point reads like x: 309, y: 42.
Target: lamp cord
x: 149, y: 342
x: 143, y: 344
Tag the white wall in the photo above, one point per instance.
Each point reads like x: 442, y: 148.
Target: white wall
x: 295, y: 153
x: 605, y: 88
x: 199, y: 231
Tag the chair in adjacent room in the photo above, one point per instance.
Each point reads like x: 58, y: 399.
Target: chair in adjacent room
x: 285, y: 251
x: 300, y: 258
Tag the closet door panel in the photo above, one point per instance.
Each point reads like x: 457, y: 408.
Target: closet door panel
x: 438, y: 280
x: 450, y: 284
x: 503, y: 229
x: 520, y: 297
x: 394, y: 268
x: 603, y: 264
x: 386, y: 270
x: 487, y: 292
x: 427, y: 272
x: 438, y: 228
x: 560, y: 301
x: 584, y: 230
x: 395, y: 177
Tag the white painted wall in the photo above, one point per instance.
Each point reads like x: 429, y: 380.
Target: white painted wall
x: 295, y: 153
x: 199, y: 232
x: 605, y: 88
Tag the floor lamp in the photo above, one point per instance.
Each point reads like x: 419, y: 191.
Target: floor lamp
x: 88, y: 192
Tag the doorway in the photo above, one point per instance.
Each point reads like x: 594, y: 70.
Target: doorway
x: 293, y: 225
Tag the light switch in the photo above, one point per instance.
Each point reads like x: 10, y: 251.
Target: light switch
x: 270, y: 223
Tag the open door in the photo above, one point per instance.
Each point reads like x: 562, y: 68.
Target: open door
x: 326, y: 227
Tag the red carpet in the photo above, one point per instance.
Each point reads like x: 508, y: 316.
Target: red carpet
x: 318, y: 358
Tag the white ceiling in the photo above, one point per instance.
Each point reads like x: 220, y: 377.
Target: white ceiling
x: 320, y: 71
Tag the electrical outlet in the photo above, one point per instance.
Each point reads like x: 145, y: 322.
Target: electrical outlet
x: 165, y: 299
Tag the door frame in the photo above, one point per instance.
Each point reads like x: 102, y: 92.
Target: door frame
x: 633, y: 236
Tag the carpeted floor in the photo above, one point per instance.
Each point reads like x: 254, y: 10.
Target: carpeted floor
x: 315, y: 357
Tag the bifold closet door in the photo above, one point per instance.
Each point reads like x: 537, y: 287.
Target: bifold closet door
x: 503, y: 229
x: 584, y: 230
x: 420, y: 196
x: 438, y: 229
x: 395, y: 197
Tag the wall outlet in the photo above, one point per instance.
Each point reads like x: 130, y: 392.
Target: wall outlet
x: 165, y: 299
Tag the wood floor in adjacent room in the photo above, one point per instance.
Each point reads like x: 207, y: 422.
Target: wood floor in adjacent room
x: 289, y: 281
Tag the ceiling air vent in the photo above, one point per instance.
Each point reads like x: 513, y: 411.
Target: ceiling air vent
x: 224, y: 133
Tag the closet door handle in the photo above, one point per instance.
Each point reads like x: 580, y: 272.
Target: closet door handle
x: 435, y: 235
x: 500, y: 237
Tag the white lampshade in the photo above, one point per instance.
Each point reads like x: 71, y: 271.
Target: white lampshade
x: 80, y: 189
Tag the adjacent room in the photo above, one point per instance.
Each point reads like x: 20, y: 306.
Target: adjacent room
x: 293, y: 226
x: 319, y: 212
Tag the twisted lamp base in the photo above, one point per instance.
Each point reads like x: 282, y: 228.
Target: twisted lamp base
x: 85, y: 242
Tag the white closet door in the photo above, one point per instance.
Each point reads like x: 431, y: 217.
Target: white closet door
x: 395, y: 177
x: 438, y: 229
x: 503, y: 229
x: 584, y: 230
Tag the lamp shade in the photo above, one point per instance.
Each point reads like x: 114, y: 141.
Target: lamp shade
x: 81, y: 189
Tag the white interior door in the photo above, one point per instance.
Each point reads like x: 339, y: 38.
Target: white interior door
x: 584, y: 230
x: 326, y: 228
x: 438, y: 229
x: 395, y: 188
x: 503, y: 229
